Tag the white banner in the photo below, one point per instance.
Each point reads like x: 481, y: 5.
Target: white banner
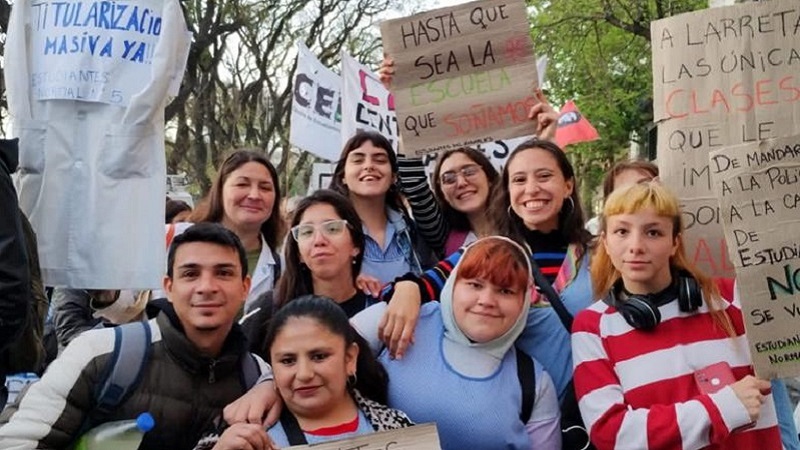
x: 316, y: 107
x: 94, y: 51
x: 366, y: 104
x: 321, y: 176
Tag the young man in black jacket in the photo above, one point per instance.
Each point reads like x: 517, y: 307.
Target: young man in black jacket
x: 195, y: 363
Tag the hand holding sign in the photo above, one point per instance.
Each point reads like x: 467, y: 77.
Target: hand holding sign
x: 386, y: 72
x: 545, y: 116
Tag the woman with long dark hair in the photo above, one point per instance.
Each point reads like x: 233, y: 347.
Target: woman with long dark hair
x: 366, y: 174
x: 245, y: 198
x: 323, y: 255
x: 331, y: 384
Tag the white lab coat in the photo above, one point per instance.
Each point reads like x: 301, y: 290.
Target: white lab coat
x: 93, y: 175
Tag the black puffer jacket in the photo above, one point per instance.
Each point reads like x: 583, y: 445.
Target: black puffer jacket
x: 183, y: 390
x: 15, y: 284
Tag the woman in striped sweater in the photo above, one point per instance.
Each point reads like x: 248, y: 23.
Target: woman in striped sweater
x: 640, y: 354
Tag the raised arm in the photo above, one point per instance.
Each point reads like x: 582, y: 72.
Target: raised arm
x: 405, y: 297
x: 427, y: 214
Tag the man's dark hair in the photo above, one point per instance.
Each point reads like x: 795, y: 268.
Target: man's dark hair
x: 212, y: 233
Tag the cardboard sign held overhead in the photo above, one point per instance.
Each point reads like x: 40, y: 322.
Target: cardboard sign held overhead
x: 418, y: 437
x: 721, y: 77
x: 464, y: 75
x: 758, y: 187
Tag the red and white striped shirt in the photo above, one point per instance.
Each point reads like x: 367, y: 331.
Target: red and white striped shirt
x: 636, y: 389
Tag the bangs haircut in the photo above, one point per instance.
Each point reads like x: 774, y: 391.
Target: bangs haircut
x: 637, y: 197
x: 631, y: 200
x: 496, y: 261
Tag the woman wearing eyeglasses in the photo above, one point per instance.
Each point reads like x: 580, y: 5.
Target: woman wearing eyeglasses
x: 323, y: 257
x: 462, y: 181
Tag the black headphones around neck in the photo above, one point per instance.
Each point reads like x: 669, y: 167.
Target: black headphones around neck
x: 641, y: 310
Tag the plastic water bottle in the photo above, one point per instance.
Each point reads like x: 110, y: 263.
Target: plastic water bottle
x: 118, y: 435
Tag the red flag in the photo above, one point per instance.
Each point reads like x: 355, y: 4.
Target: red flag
x: 573, y: 127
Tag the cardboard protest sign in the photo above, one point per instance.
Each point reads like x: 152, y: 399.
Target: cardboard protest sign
x: 496, y: 151
x: 366, y: 103
x: 94, y: 51
x: 316, y: 119
x: 721, y: 77
x: 464, y: 75
x: 758, y: 187
x: 418, y: 437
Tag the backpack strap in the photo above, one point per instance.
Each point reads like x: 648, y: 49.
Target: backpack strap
x: 292, y: 429
x: 250, y: 371
x: 552, y: 296
x: 527, y: 380
x: 125, y: 369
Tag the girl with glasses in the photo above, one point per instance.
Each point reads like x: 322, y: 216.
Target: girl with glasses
x: 462, y: 181
x: 323, y: 255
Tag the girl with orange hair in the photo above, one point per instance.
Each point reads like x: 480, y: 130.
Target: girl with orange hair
x: 467, y: 376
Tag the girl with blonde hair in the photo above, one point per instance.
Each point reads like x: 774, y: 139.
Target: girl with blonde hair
x: 647, y: 354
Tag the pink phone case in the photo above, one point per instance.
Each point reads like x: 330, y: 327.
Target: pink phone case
x: 714, y: 377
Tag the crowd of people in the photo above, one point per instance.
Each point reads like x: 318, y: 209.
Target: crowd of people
x: 478, y: 301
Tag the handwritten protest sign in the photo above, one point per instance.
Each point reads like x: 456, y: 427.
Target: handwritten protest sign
x: 316, y: 119
x: 721, y: 77
x: 463, y: 75
x: 95, y: 51
x: 366, y: 103
x: 418, y: 437
x: 758, y: 186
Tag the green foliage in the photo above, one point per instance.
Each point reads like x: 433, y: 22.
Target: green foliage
x: 599, y: 53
